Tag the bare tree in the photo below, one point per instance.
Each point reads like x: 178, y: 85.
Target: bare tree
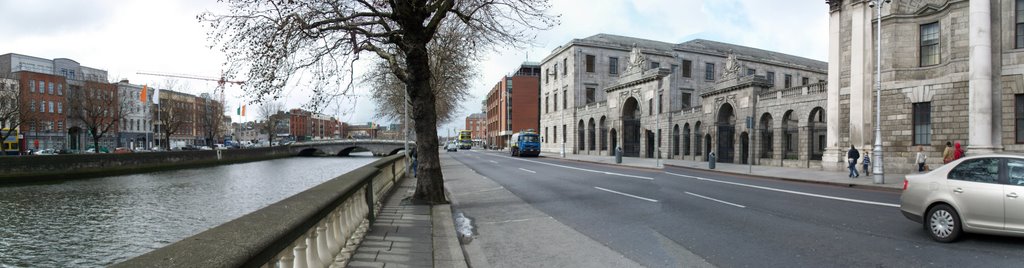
x: 211, y: 118
x: 98, y: 107
x: 274, y: 40
x: 266, y: 112
x: 171, y: 116
x: 10, y: 108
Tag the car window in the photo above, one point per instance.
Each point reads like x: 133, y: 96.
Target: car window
x: 977, y: 170
x: 1015, y: 172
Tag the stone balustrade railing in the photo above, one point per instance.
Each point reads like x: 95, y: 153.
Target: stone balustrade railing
x: 315, y: 228
x: 810, y: 89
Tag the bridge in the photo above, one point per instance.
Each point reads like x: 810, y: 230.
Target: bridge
x: 344, y: 147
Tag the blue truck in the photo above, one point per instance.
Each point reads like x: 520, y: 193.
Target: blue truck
x: 525, y: 143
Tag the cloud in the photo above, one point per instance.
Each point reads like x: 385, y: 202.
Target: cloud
x: 33, y: 18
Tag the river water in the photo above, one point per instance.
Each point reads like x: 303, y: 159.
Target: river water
x: 102, y: 221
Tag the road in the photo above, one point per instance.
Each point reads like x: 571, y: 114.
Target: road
x: 651, y: 216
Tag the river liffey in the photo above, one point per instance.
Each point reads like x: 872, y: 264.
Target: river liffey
x: 102, y: 221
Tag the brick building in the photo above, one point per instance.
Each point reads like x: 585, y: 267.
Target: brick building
x: 477, y: 124
x: 306, y: 125
x: 513, y: 105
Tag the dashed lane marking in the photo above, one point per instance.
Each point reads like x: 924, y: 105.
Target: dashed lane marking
x: 580, y: 169
x: 789, y: 191
x: 527, y: 170
x: 625, y: 194
x: 716, y: 200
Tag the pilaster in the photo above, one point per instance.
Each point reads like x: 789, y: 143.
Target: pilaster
x: 980, y: 96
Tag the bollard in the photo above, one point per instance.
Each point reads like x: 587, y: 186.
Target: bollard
x: 711, y: 160
x: 618, y: 155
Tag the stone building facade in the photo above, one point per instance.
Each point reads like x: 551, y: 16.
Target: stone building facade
x: 136, y: 127
x: 682, y: 101
x: 945, y: 77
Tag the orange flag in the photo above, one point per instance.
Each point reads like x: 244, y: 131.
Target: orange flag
x: 143, y: 94
x: 243, y: 110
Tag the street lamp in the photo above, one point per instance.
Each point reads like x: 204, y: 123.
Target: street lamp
x: 879, y: 175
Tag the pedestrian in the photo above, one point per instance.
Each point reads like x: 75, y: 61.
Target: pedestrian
x: 947, y: 154
x: 414, y: 161
x: 866, y: 163
x: 957, y: 151
x: 921, y: 158
x: 852, y: 156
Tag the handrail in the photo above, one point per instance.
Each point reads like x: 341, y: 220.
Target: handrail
x: 305, y: 230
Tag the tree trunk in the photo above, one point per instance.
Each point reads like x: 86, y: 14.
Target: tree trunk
x: 96, y: 142
x: 429, y: 181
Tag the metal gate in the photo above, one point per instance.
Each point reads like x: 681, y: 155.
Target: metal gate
x: 631, y: 137
x: 726, y: 143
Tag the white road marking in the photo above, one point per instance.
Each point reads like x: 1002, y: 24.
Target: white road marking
x: 716, y: 200
x: 492, y: 161
x: 790, y: 191
x: 625, y: 194
x: 581, y: 169
x: 527, y: 170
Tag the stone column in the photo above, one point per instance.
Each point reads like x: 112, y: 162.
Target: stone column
x: 861, y: 70
x: 832, y: 149
x: 980, y: 93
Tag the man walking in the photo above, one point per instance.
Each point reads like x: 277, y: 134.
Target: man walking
x: 852, y: 156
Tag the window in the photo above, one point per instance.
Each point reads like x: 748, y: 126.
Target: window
x: 547, y: 76
x: 565, y: 99
x: 556, y: 70
x: 650, y: 106
x: 563, y: 133
x: 1020, y: 23
x: 51, y: 106
x: 51, y: 88
x: 60, y: 107
x: 685, y: 100
x: 32, y: 106
x: 659, y: 105
x: 60, y: 89
x: 977, y: 170
x: 546, y: 134
x: 930, y: 44
x: 555, y: 100
x: 687, y: 68
x: 709, y: 71
x: 750, y: 71
x: 42, y: 87
x: 32, y: 86
x: 590, y: 63
x: 546, y: 108
x: 565, y: 66
x: 1015, y: 171
x: 655, y: 65
x: 1018, y: 115
x: 788, y: 81
x: 591, y: 92
x: 613, y: 65
x: 771, y: 78
x: 805, y: 81
x: 922, y: 123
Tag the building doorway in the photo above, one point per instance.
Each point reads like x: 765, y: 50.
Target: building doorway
x: 744, y: 148
x: 631, y: 128
x: 726, y: 134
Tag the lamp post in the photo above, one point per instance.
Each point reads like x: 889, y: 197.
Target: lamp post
x: 879, y: 175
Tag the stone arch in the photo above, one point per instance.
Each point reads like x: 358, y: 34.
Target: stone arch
x: 614, y: 140
x: 744, y: 147
x: 631, y: 114
x: 698, y: 136
x: 591, y: 135
x: 603, y: 139
x: 686, y: 139
x: 725, y: 124
x: 767, y: 136
x: 675, y: 140
x: 790, y: 136
x: 817, y: 131
x: 581, y: 136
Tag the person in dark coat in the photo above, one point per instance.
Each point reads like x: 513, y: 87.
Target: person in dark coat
x: 852, y: 157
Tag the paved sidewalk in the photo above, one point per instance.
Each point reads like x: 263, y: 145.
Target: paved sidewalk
x: 892, y: 181
x: 408, y: 235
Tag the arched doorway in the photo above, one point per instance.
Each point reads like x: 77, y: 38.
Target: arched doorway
x: 767, y: 136
x: 614, y: 140
x: 726, y: 134
x: 675, y: 140
x: 698, y: 136
x: 789, y: 136
x: 604, y: 134
x: 631, y: 128
x: 591, y: 137
x: 581, y: 138
x: 744, y: 148
x: 650, y: 144
x: 686, y: 139
x: 816, y: 125
x: 707, y: 143
x: 75, y: 139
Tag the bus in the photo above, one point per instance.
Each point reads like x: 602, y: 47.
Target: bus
x: 11, y: 146
x: 465, y: 139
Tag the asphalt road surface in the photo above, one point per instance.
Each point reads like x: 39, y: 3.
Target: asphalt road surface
x: 732, y: 220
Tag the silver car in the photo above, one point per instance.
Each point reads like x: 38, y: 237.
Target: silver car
x: 978, y: 194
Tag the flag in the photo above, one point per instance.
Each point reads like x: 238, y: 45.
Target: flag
x: 238, y: 111
x: 243, y: 110
x: 156, y: 96
x: 143, y: 94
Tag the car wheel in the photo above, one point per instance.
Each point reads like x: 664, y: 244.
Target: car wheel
x: 943, y: 223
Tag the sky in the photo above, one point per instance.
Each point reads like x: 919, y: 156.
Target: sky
x: 164, y: 36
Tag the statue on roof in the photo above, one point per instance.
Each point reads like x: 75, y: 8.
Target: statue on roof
x: 636, y: 60
x: 732, y: 67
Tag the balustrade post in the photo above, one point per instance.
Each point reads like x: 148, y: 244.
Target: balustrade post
x: 300, y: 254
x: 326, y: 255
x: 312, y: 253
x: 287, y: 258
x: 332, y: 233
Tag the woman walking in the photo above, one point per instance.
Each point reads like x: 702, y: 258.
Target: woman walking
x: 947, y: 154
x: 921, y: 158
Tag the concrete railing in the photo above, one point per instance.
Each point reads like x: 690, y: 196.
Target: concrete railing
x: 314, y: 228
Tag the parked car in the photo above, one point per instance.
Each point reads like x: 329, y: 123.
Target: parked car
x: 452, y: 147
x: 978, y: 194
x: 122, y: 150
x: 205, y: 148
x: 44, y: 152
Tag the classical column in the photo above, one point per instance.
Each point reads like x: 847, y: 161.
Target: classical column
x: 980, y: 93
x: 833, y: 151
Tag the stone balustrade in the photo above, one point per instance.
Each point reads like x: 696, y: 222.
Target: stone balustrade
x: 809, y: 89
x: 315, y: 228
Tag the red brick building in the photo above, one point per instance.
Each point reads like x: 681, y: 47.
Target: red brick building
x: 477, y: 123
x: 513, y: 105
x: 306, y: 125
x: 42, y: 110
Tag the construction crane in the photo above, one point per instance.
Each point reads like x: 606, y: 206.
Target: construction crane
x: 220, y: 81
